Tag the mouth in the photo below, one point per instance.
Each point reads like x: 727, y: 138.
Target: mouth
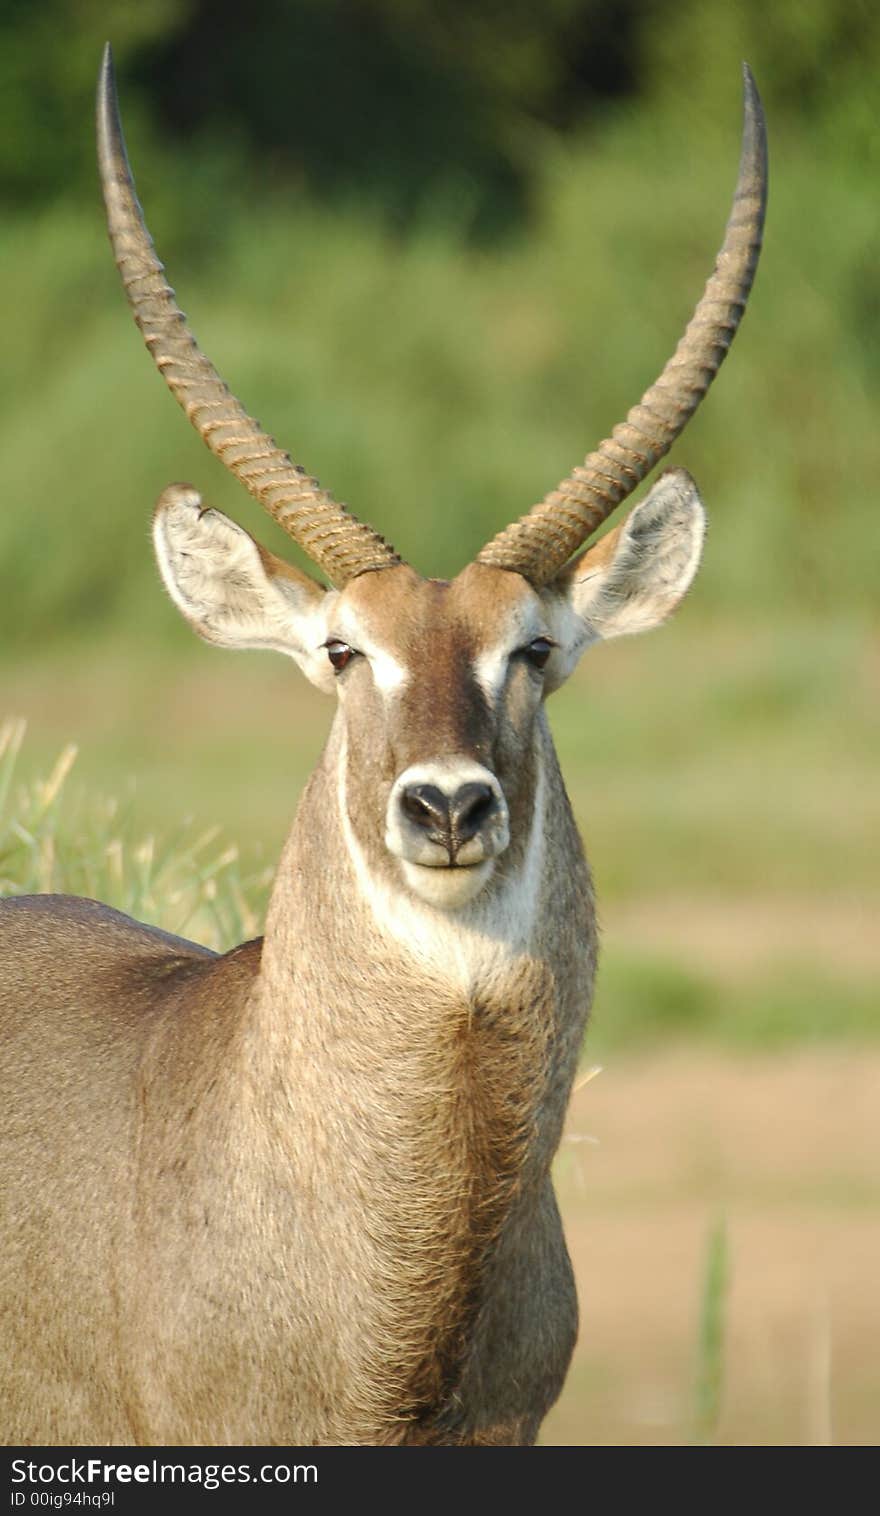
x: 446, y: 854
x: 435, y: 854
x: 448, y: 885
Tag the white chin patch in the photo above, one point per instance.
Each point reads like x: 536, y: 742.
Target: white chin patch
x: 447, y: 889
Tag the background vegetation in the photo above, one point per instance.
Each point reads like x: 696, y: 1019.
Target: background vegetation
x: 439, y: 248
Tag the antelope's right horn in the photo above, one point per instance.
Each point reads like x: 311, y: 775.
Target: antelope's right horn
x: 540, y: 543
x: 334, y: 539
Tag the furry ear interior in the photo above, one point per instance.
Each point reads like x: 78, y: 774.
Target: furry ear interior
x: 637, y: 574
x: 232, y: 591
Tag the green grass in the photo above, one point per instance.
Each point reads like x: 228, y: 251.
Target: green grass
x: 645, y: 1001
x: 187, y: 880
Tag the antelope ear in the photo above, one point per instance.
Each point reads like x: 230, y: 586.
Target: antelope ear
x: 637, y: 574
x: 234, y: 592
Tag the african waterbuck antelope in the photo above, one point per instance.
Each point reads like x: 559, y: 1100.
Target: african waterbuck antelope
x: 300, y: 1192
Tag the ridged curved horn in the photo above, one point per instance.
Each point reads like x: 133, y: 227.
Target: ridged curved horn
x: 334, y: 539
x: 540, y: 543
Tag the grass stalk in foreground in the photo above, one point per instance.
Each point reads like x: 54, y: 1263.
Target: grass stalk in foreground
x: 709, y: 1384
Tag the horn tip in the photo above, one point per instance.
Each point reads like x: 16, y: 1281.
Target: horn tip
x: 112, y: 156
x: 106, y: 74
x: 754, y: 156
x: 752, y: 106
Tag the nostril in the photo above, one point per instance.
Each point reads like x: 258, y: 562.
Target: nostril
x: 428, y: 807
x: 471, y: 805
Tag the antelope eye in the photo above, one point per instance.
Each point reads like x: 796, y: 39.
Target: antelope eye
x: 339, y: 654
x: 539, y: 651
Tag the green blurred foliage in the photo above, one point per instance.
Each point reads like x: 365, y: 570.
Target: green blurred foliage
x: 398, y: 102
x: 646, y: 1002
x: 48, y: 64
x: 388, y: 101
x: 439, y: 249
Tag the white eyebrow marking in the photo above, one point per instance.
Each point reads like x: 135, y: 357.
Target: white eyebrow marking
x: 389, y: 674
x: 490, y: 666
x: 491, y: 671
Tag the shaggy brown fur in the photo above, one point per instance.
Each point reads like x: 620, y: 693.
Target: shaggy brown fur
x: 303, y: 1200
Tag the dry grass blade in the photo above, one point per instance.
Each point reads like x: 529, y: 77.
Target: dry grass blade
x: 52, y: 840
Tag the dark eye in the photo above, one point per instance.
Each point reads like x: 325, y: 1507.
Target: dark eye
x: 339, y: 654
x: 539, y: 651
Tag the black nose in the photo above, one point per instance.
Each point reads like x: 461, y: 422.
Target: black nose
x: 428, y: 807
x: 449, y: 820
x: 469, y: 808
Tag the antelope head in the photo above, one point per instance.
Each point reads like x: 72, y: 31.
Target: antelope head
x: 440, y: 685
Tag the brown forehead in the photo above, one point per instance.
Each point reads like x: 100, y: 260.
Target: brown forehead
x: 402, y: 609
